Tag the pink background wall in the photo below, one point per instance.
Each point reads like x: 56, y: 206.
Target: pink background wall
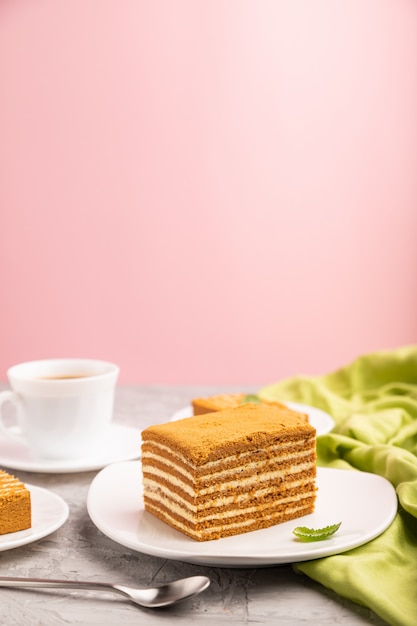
x: 214, y: 192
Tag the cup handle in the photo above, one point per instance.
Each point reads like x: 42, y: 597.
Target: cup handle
x: 9, y: 396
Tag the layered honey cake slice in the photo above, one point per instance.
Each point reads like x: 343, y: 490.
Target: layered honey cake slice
x: 15, y: 505
x: 223, y: 401
x: 219, y: 402
x: 238, y: 470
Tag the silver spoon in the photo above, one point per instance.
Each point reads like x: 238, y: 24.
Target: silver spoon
x: 150, y: 597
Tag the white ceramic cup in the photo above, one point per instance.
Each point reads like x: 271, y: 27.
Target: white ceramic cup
x: 63, y: 407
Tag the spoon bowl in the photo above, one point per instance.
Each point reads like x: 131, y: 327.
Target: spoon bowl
x: 149, y: 597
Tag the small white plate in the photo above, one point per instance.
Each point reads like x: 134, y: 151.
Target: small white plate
x: 366, y: 505
x: 49, y: 512
x: 120, y: 444
x: 321, y: 420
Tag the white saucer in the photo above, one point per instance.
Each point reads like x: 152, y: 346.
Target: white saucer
x: 366, y: 505
x: 120, y: 444
x: 321, y: 420
x: 49, y: 512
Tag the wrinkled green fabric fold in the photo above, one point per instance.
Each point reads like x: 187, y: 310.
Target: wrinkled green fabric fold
x: 374, y: 404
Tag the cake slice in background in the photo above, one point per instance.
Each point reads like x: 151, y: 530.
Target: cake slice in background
x: 15, y: 505
x: 242, y: 469
x: 223, y: 401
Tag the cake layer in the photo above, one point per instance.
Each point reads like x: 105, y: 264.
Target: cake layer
x: 250, y: 519
x: 298, y: 488
x: 226, y: 507
x: 221, y: 478
x: 236, y: 484
x: 15, y: 505
x: 155, y: 453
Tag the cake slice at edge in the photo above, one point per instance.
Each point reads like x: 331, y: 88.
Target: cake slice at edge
x: 15, y: 505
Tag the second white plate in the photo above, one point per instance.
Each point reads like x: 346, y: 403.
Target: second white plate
x: 321, y: 420
x: 120, y: 444
x: 49, y: 512
x: 366, y: 505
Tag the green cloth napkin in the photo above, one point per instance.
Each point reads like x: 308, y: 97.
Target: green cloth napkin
x: 374, y: 404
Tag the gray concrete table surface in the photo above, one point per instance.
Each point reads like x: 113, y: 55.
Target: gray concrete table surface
x: 78, y: 550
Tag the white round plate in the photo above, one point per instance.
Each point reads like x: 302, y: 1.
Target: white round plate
x: 120, y: 444
x: 49, y: 512
x: 321, y: 420
x: 366, y: 505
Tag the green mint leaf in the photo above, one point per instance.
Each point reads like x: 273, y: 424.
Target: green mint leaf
x: 251, y: 398
x: 315, y: 534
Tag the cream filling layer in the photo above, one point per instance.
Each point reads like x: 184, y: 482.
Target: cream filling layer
x: 273, y: 450
x: 155, y: 492
x: 220, y: 474
x: 272, y: 476
x: 220, y: 527
x: 10, y: 485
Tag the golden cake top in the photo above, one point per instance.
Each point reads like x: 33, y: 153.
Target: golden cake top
x: 9, y: 483
x: 213, y: 435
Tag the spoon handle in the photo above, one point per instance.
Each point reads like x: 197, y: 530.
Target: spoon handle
x: 12, y: 581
